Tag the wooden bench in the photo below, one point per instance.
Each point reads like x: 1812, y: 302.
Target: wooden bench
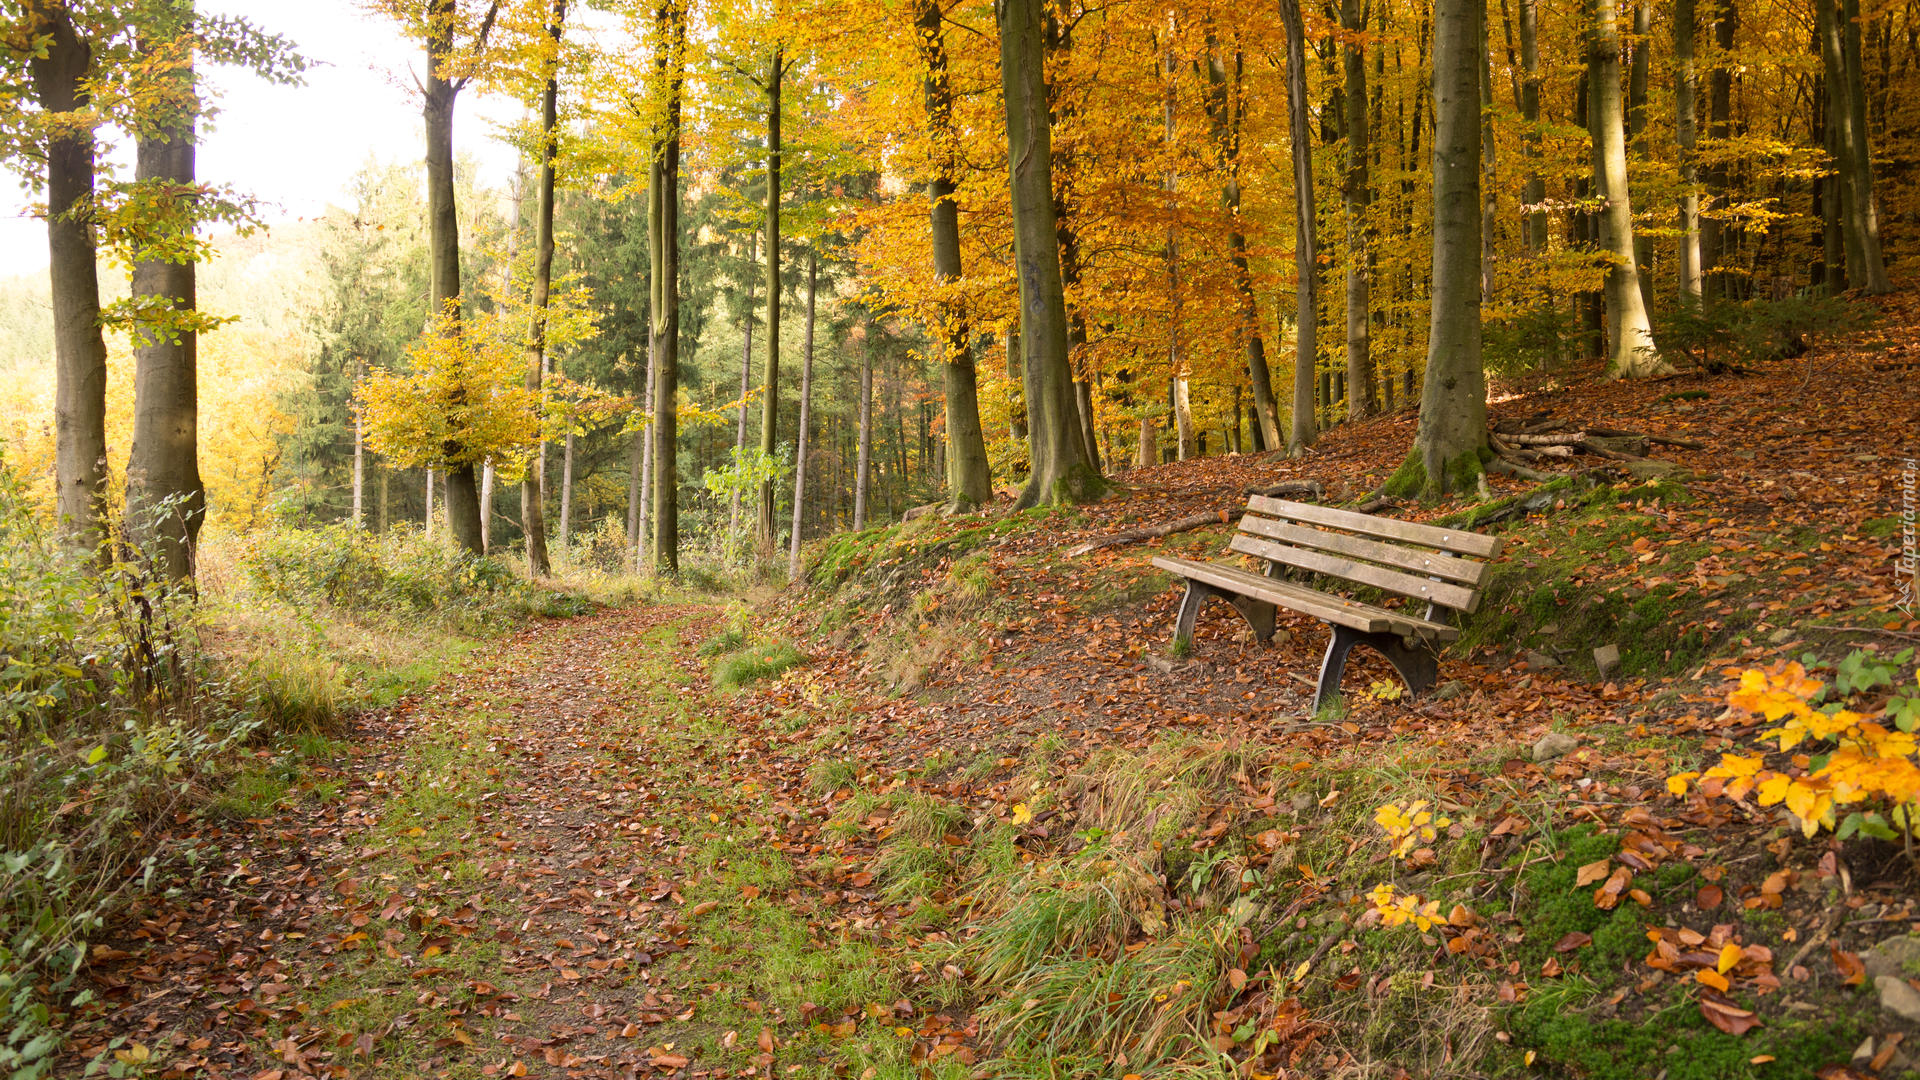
x: 1301, y: 540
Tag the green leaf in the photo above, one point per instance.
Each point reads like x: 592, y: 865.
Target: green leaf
x: 1848, y: 826
x: 98, y: 755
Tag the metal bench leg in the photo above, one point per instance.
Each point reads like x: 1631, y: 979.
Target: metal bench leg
x: 1417, y: 665
x: 1258, y: 613
x: 1189, y: 609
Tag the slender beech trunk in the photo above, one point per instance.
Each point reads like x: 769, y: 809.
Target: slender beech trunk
x: 486, y: 505
x: 1534, y: 191
x: 1714, y: 233
x: 1060, y: 473
x: 746, y: 372
x: 533, y: 514
x: 770, y: 405
x: 359, y: 468
x: 1686, y: 136
x: 864, y: 468
x: 639, y: 507
x: 566, y: 494
x: 1305, y: 428
x: 969, y: 478
x: 1016, y: 397
x: 60, y: 84
x: 1357, y: 189
x: 1631, y: 352
x: 429, y: 514
x: 1170, y: 183
x: 1227, y: 106
x: 663, y: 238
x: 1489, y: 169
x: 800, y: 431
x: 1450, y: 444
x: 166, y: 501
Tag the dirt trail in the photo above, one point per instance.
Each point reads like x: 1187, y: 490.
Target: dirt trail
x: 484, y: 885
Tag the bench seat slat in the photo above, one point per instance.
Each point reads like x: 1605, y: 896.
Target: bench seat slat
x: 1464, y: 571
x: 1458, y: 541
x: 1328, y: 608
x: 1444, y: 593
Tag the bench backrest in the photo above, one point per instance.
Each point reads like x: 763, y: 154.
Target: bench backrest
x: 1419, y: 561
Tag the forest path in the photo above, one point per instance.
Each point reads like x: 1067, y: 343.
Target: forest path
x: 547, y: 865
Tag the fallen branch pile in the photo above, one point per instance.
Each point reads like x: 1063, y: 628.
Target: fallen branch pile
x: 1520, y: 444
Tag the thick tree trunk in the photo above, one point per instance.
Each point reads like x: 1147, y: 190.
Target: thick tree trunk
x: 1630, y: 352
x: 1450, y: 444
x: 532, y: 498
x: 663, y: 231
x: 770, y: 405
x: 865, y: 466
x: 165, y: 499
x: 1061, y: 473
x: 1305, y: 427
x: 443, y: 246
x: 1686, y: 136
x: 1357, y: 190
x: 1227, y: 107
x: 969, y: 478
x: 1839, y: 31
x: 800, y: 431
x: 1638, y: 70
x: 60, y: 83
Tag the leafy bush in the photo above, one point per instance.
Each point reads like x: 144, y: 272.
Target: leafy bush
x: 105, y: 719
x: 1718, y: 335
x: 1526, y: 339
x: 1865, y: 778
x: 396, y: 573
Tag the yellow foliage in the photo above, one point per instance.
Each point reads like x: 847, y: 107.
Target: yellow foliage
x: 1872, y: 766
x: 464, y: 400
x: 1398, y: 909
x: 1410, y: 826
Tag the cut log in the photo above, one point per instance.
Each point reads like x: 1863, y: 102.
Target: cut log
x: 1153, y: 532
x: 1310, y: 488
x: 1554, y: 439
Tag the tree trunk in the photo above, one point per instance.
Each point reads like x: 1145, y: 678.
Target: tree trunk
x: 1060, y: 473
x: 1170, y: 183
x: 1534, y: 192
x: 663, y: 238
x: 1451, y: 442
x: 166, y: 502
x: 770, y: 405
x: 1638, y: 70
x: 1306, y: 245
x: 969, y: 478
x: 800, y: 431
x: 443, y: 245
x: 864, y: 468
x: 746, y: 376
x: 532, y: 498
x: 566, y: 494
x: 60, y: 83
x: 1489, y: 162
x: 1228, y: 107
x: 1685, y: 87
x: 1016, y: 398
x: 1840, y: 48
x: 429, y: 515
x: 1713, y: 234
x: 1357, y: 189
x: 1631, y: 352
x: 486, y: 505
x: 359, y: 467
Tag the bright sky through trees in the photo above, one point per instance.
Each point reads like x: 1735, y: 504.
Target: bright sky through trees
x: 296, y: 147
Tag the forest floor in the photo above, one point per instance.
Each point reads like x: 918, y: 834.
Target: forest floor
x: 957, y: 809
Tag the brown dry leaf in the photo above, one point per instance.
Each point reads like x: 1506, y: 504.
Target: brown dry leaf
x: 1728, y: 1018
x: 1709, y: 897
x: 1849, y: 965
x: 1591, y: 873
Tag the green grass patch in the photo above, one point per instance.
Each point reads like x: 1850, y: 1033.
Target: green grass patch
x: 756, y: 662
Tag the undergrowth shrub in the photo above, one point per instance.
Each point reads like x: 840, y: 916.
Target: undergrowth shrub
x: 106, y: 718
x: 1719, y: 335
x: 397, y: 573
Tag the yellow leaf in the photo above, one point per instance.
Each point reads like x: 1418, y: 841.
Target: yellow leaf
x: 1713, y: 979
x: 1022, y: 813
x: 1730, y: 955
